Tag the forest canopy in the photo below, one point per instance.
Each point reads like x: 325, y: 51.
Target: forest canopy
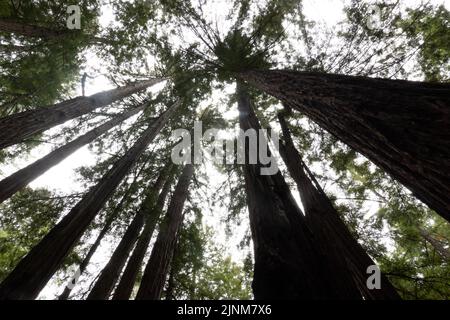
x: 341, y: 193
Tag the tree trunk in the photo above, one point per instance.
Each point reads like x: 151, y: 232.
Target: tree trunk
x: 111, y: 272
x: 8, y: 25
x: 401, y: 126
x: 21, y: 126
x: 153, y: 212
x: 288, y: 262
x: 23, y: 177
x: 35, y: 269
x: 436, y: 244
x: 334, y: 237
x: 68, y: 289
x: 157, y: 267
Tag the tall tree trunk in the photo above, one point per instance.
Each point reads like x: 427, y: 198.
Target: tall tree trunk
x: 23, y: 177
x: 401, y: 126
x: 157, y: 267
x: 68, y: 289
x: 20, y: 126
x: 334, y: 237
x: 435, y: 243
x: 37, y: 267
x: 111, y: 272
x: 152, y: 211
x: 288, y: 261
x: 9, y: 25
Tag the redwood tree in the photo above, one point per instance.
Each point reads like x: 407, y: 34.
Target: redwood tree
x: 21, y: 126
x: 37, y: 267
x: 289, y: 263
x: 401, y: 126
x: 152, y: 212
x: 21, y: 178
x: 158, y: 265
x: 334, y: 237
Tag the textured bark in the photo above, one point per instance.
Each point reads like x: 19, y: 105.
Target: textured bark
x: 157, y: 267
x: 8, y: 25
x: 21, y: 126
x: 436, y: 244
x: 83, y: 265
x: 333, y: 236
x: 288, y: 262
x: 23, y: 177
x: 401, y: 126
x: 111, y: 272
x: 37, y: 267
x: 152, y: 211
x: 110, y: 219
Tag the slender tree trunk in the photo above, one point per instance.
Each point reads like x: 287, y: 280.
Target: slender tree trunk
x: 157, y: 267
x: 401, y: 126
x: 435, y: 243
x: 68, y: 289
x: 35, y: 269
x: 334, y: 237
x: 153, y: 212
x: 9, y: 25
x: 288, y: 261
x: 20, y: 126
x: 111, y: 272
x: 23, y: 177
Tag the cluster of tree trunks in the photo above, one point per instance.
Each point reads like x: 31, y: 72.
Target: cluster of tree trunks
x: 283, y: 242
x: 37, y: 267
x: 332, y: 234
x: 155, y: 273
x: 23, y: 177
x: 21, y: 126
x: 401, y: 126
x: 153, y: 212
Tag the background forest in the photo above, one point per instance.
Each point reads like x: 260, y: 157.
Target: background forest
x: 88, y: 187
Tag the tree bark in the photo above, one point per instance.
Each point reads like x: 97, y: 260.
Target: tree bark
x: 435, y: 243
x: 288, y: 261
x: 67, y: 290
x: 157, y: 267
x: 37, y: 267
x: 334, y: 237
x: 111, y: 272
x: 153, y: 212
x: 401, y: 126
x: 21, y: 126
x: 9, y: 25
x: 23, y: 177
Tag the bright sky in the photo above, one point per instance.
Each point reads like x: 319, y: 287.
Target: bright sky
x: 63, y: 178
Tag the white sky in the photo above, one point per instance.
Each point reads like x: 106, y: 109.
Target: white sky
x: 63, y: 178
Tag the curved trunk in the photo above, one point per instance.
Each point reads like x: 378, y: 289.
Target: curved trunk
x: 37, y: 267
x: 153, y: 212
x: 157, y: 267
x: 23, y: 177
x: 20, y: 126
x: 401, y: 126
x: 333, y: 235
